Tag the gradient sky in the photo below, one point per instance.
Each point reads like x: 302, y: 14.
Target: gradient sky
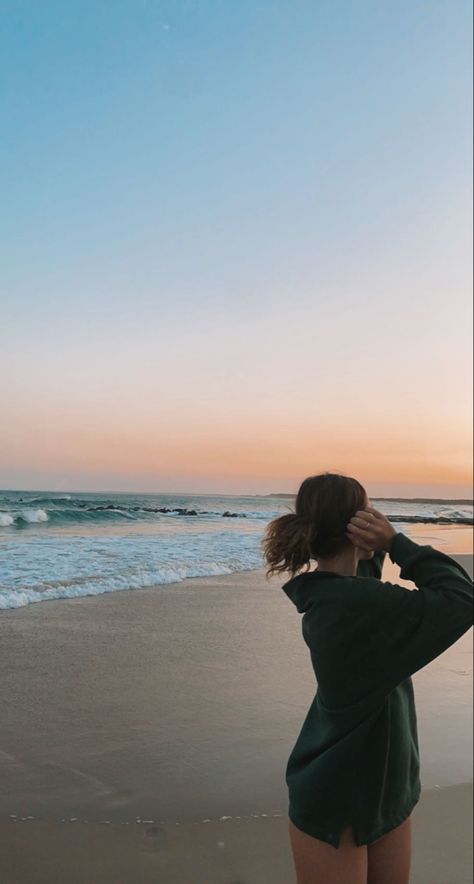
x: 236, y: 244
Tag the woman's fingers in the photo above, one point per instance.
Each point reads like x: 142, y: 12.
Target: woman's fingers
x: 360, y: 522
x: 370, y: 529
x: 370, y: 514
x: 360, y: 530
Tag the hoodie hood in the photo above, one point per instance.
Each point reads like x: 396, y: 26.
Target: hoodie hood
x: 300, y: 589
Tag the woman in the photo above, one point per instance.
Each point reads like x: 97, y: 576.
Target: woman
x: 353, y: 774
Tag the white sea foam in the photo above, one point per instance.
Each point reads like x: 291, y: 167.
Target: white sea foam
x: 6, y: 519
x: 20, y: 598
x: 47, y: 568
x: 33, y: 515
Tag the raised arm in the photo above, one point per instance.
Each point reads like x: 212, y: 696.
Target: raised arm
x: 409, y: 628
x: 413, y: 627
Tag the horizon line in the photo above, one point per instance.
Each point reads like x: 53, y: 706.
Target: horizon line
x: 468, y: 500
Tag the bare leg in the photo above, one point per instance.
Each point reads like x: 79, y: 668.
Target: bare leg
x: 390, y: 856
x: 319, y: 863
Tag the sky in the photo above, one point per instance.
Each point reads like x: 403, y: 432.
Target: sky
x: 236, y: 245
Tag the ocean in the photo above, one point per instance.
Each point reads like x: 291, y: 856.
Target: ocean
x: 60, y: 546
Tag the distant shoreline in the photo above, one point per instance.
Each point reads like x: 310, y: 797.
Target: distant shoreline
x: 182, y: 494
x: 399, y: 499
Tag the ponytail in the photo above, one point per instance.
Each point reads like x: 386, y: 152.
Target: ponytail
x: 287, y: 544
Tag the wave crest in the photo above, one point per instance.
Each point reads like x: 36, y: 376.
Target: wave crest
x: 31, y: 516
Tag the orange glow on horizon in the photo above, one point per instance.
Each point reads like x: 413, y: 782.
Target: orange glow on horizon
x: 254, y: 458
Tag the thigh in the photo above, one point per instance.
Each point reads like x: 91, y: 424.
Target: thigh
x: 317, y: 862
x: 390, y: 857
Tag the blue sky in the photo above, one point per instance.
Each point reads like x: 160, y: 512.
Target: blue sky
x: 263, y: 205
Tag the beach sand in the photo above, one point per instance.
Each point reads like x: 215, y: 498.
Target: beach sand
x: 128, y: 719
x: 245, y: 851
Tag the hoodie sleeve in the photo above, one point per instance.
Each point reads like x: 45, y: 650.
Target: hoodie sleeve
x: 413, y: 627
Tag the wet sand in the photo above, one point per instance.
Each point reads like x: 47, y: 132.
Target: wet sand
x: 245, y: 851
x: 131, y: 718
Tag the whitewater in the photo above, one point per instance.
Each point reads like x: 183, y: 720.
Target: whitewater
x: 67, y: 545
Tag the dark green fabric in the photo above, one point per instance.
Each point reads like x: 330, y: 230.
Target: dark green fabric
x: 356, y: 759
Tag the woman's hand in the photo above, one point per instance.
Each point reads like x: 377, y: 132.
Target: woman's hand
x: 369, y: 529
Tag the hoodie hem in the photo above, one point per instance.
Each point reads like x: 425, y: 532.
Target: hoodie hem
x: 361, y: 838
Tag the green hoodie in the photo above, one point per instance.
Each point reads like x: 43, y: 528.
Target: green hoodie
x: 356, y: 759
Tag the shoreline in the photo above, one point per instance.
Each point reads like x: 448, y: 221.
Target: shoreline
x: 454, y: 540
x: 390, y: 572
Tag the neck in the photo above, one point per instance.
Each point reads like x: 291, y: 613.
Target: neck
x: 345, y: 563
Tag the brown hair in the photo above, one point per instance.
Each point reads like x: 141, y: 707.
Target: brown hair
x: 324, y: 506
